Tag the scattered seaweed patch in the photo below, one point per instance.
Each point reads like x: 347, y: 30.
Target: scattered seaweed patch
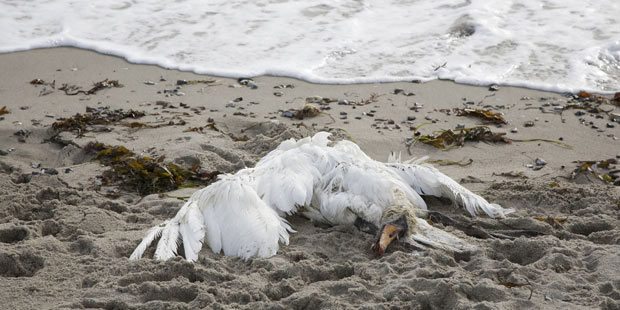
x: 448, y: 139
x: 485, y: 115
x: 72, y: 90
x: 82, y: 123
x: 3, y: 110
x: 604, y: 170
x: 42, y: 82
x: 145, y: 175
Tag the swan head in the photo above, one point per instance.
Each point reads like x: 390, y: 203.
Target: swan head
x: 395, y: 229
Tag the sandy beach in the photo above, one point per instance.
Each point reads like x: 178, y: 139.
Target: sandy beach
x: 66, y: 232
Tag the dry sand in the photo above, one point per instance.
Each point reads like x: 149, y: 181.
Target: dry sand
x: 65, y: 239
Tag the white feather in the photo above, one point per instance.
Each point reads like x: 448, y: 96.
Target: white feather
x: 169, y: 241
x: 151, y: 235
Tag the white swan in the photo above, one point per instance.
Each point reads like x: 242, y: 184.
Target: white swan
x: 242, y: 214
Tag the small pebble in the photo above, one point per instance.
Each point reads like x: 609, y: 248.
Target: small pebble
x: 580, y: 113
x: 494, y: 87
x: 35, y: 165
x: 3, y: 153
x: 238, y: 99
x: 68, y: 170
x: 210, y: 120
x: 182, y: 82
x: 514, y: 130
x: 343, y: 102
x: 529, y: 124
x: 610, y: 125
x: 540, y: 162
x: 343, y: 113
x: 411, y: 118
x: 561, y: 138
x: 149, y: 82
x: 278, y: 94
x: 50, y: 171
x: 529, y: 166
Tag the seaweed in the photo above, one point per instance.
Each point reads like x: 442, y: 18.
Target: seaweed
x: 42, y: 82
x: 485, y: 115
x: 145, y: 175
x: 193, y: 82
x: 595, y: 168
x: 73, y: 90
x: 443, y: 162
x: 3, y: 110
x: 82, y: 123
x: 448, y: 139
x: 511, y: 174
x: 306, y: 112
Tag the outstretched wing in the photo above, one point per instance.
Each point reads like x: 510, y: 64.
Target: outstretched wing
x: 229, y: 216
x: 427, y: 180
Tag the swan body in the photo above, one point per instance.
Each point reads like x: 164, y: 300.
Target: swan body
x: 243, y: 214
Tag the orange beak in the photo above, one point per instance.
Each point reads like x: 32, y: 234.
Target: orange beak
x: 390, y: 232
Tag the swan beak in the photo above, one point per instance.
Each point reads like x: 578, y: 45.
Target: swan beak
x: 389, y: 233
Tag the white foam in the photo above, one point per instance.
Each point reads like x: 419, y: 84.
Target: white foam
x: 557, y: 45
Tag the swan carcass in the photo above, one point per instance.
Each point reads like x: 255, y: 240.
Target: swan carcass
x: 243, y: 214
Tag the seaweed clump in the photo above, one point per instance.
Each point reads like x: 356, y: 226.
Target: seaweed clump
x: 485, y: 115
x: 448, y: 139
x: 145, y: 175
x: 82, y: 123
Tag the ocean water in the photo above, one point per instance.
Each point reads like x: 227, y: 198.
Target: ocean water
x: 558, y: 45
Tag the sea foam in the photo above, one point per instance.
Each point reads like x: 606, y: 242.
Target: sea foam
x: 557, y: 45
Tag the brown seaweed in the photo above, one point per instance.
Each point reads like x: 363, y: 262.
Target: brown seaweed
x: 448, y: 139
x: 485, y: 115
x: 73, y: 90
x: 3, y: 110
x: 82, y: 123
x: 145, y: 175
x: 603, y: 170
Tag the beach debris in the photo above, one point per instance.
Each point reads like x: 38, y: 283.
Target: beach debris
x: 22, y: 134
x: 444, y: 162
x: 372, y: 98
x: 485, y: 115
x: 145, y: 175
x: 306, y: 112
x: 494, y: 87
x: 247, y: 82
x: 511, y: 174
x: 193, y: 82
x: 554, y: 222
x: 73, y: 90
x: 3, y: 110
x: 81, y: 123
x: 448, y: 139
x: 42, y: 82
x: 282, y: 86
x: 604, y: 170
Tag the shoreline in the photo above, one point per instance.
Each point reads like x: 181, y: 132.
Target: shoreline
x: 66, y: 236
x: 328, y: 81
